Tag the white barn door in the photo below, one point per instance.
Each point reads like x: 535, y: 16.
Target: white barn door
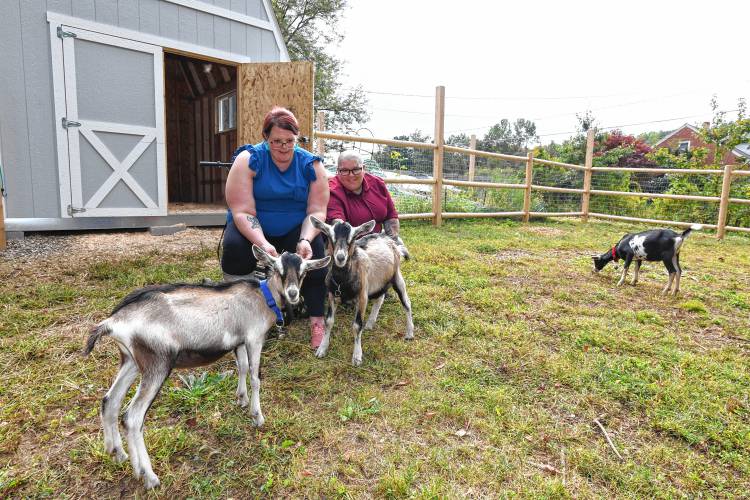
x: 109, y: 102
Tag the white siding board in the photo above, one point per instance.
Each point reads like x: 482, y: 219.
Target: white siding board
x: 61, y: 6
x: 205, y: 27
x: 254, y: 43
x: 188, y: 25
x: 221, y: 34
x: 255, y: 8
x: 127, y: 14
x: 37, y: 75
x: 238, y: 6
x: 269, y: 48
x: 224, y: 4
x: 168, y: 21
x: 106, y: 11
x: 238, y: 37
x: 14, y: 121
x: 84, y: 9
x: 148, y: 17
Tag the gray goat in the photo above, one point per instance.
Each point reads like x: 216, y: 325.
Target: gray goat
x: 159, y: 328
x: 362, y: 269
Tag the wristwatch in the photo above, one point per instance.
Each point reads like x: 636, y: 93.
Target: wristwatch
x: 304, y: 239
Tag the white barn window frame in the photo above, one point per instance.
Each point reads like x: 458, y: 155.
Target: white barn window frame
x: 226, y: 112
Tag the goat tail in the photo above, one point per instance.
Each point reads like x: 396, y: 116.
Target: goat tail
x: 97, y: 332
x: 402, y: 250
x: 694, y: 227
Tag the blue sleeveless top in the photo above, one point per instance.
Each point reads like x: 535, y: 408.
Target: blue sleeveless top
x: 280, y: 197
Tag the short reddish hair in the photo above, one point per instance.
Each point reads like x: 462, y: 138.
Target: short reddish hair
x: 282, y: 118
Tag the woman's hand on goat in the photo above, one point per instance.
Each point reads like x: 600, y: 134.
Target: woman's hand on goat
x: 304, y: 249
x: 269, y: 249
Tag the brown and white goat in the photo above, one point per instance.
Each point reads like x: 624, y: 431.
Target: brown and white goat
x: 362, y: 269
x: 159, y: 328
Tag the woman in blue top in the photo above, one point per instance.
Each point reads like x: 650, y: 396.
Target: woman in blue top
x: 271, y: 190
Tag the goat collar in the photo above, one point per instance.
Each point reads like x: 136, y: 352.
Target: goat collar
x: 614, y: 254
x: 271, y: 302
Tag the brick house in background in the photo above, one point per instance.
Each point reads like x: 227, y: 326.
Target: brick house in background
x: 687, y: 138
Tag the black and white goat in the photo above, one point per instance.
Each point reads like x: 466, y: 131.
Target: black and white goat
x: 362, y: 269
x: 655, y: 245
x: 162, y: 327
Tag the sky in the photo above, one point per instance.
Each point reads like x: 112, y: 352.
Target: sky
x: 636, y: 65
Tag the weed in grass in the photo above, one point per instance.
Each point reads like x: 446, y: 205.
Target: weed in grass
x: 694, y: 306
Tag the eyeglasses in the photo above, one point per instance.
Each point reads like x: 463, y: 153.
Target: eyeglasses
x: 349, y: 171
x: 279, y: 144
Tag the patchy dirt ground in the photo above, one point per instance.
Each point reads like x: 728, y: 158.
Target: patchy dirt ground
x: 79, y: 248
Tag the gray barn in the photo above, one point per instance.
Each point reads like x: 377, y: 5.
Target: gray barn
x: 108, y: 105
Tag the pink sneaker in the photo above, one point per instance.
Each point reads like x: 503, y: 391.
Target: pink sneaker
x: 317, y: 331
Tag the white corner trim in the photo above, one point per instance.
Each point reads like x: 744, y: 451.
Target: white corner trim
x: 283, y: 52
x: 225, y: 13
x: 107, y: 29
x: 61, y: 135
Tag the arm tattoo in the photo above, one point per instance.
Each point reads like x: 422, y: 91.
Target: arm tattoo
x: 391, y: 227
x: 254, y: 222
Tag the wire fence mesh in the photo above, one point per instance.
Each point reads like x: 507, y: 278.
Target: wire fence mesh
x: 392, y: 162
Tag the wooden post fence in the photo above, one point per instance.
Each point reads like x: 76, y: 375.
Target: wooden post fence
x: 527, y: 190
x: 321, y: 147
x: 437, y: 161
x: 588, y: 163
x: 472, y: 158
x: 724, y: 202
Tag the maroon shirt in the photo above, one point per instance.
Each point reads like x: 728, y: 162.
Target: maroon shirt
x: 374, y: 202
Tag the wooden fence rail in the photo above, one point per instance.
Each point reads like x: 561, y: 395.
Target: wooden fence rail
x: 437, y: 181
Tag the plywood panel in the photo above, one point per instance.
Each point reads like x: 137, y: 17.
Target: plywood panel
x: 264, y: 85
x: 169, y: 21
x: 61, y: 6
x: 205, y: 27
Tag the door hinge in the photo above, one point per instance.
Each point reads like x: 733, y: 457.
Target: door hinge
x: 69, y: 123
x: 65, y: 34
x: 73, y: 210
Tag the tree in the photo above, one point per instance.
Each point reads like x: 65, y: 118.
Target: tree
x: 726, y: 135
x: 504, y: 137
x: 308, y: 27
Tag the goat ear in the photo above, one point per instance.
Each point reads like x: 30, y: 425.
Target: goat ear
x: 312, y: 265
x: 364, y: 228
x: 318, y: 224
x: 262, y: 255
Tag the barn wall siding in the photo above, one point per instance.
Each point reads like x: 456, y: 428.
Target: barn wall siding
x: 27, y: 124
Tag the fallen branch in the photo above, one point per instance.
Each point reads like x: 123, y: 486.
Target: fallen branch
x: 606, y: 436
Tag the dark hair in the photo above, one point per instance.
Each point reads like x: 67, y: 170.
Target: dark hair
x: 282, y: 118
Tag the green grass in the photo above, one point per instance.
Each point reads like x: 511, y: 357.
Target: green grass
x: 518, y: 348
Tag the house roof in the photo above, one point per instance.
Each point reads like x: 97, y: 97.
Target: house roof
x: 741, y: 150
x: 666, y: 138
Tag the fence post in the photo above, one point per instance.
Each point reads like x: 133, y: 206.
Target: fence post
x: 588, y: 163
x: 527, y: 191
x: 472, y: 158
x: 724, y: 202
x: 437, y: 158
x: 321, y: 128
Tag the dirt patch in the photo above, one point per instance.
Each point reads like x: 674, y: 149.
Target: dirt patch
x: 79, y: 248
x: 546, y: 231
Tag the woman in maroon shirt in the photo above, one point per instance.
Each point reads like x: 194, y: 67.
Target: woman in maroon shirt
x: 358, y: 197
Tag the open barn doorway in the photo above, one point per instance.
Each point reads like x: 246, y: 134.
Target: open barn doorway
x: 201, y: 124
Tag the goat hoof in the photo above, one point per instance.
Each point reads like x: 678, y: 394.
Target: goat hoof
x: 356, y: 361
x: 258, y: 420
x: 119, y: 455
x: 409, y: 336
x: 150, y: 481
x: 369, y: 326
x: 243, y: 401
x: 320, y: 353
